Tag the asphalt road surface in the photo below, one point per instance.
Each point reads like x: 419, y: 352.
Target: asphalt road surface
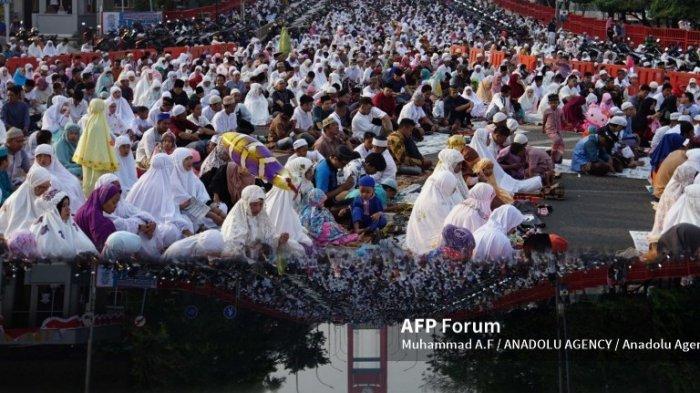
x: 598, y: 212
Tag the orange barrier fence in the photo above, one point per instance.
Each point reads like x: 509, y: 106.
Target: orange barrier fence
x: 204, y: 12
x: 196, y: 51
x: 596, y: 27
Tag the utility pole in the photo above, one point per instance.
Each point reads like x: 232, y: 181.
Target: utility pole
x: 6, y: 9
x: 91, y: 317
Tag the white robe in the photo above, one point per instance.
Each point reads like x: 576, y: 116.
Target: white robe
x: 241, y: 229
x: 205, y: 244
x: 505, y: 181
x: 257, y: 105
x: 56, y: 238
x: 18, y: 211
x: 61, y: 178
x: 127, y: 165
x: 424, y: 229
x: 492, y: 242
x: 473, y: 212
x: 152, y: 193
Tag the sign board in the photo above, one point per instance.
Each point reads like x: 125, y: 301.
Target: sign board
x: 112, y: 21
x: 110, y: 278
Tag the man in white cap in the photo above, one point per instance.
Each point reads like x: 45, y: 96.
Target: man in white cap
x: 693, y: 89
x: 225, y: 120
x: 301, y: 149
x: 513, y: 158
x: 673, y: 128
x: 380, y: 145
x: 188, y: 133
x: 627, y: 136
x: 214, y: 107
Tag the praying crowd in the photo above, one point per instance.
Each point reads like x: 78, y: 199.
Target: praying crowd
x: 134, y: 157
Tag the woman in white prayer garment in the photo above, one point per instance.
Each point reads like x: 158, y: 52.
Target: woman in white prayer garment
x: 248, y: 226
x: 62, y: 179
x: 424, y: 229
x: 492, y: 242
x: 56, y: 234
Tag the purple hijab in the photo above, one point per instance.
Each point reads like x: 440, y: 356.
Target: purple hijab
x: 91, y: 219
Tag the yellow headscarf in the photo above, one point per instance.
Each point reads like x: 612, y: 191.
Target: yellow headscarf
x: 501, y: 194
x: 456, y: 142
x: 94, y: 150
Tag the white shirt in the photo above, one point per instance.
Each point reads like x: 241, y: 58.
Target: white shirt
x: 312, y: 155
x: 224, y: 122
x: 76, y: 112
x: 140, y: 126
x: 368, y: 92
x: 304, y: 120
x: 411, y: 111
x: 201, y: 121
x: 209, y: 113
x: 363, y: 123
x: 389, y: 172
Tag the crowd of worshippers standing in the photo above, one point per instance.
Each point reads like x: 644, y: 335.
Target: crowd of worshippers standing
x: 135, y: 162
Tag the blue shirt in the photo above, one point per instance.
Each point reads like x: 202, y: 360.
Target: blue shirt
x: 16, y: 114
x: 365, y: 218
x: 587, y: 150
x: 326, y: 176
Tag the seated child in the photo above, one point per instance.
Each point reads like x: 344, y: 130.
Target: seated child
x: 367, y: 211
x: 319, y: 221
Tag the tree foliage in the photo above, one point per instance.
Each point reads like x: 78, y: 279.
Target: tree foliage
x: 668, y: 314
x: 210, y: 350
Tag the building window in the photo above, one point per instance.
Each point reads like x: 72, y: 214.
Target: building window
x: 59, y: 6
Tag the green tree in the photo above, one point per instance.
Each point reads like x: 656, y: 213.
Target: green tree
x: 669, y: 314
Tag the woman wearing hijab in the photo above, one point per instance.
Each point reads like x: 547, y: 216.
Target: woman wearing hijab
x: 606, y: 104
x: 144, y: 87
x: 457, y: 244
x: 155, y: 237
x: 484, y: 91
x: 127, y: 164
x: 478, y: 108
x: 57, y: 235
x: 451, y: 160
x: 104, y: 82
x: 208, y: 244
x: 124, y: 111
x: 19, y: 78
x: 121, y: 245
x: 301, y: 171
x: 320, y: 223
x: 280, y: 206
x: 248, y: 225
x: 94, y: 152
x: 481, y: 142
x: 528, y: 102
x: 573, y: 111
x: 686, y: 209
x: 156, y: 181
x: 429, y: 211
x: 61, y: 178
x: 152, y: 95
x: 474, y: 211
x: 492, y: 242
x: 679, y: 241
x: 484, y: 169
x: 682, y: 177
x: 19, y: 211
x: 190, y: 194
x: 56, y: 117
x: 91, y: 216
x: 65, y: 148
x: 257, y: 105
x: 50, y: 49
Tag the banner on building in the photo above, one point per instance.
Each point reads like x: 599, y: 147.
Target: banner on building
x: 115, y: 20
